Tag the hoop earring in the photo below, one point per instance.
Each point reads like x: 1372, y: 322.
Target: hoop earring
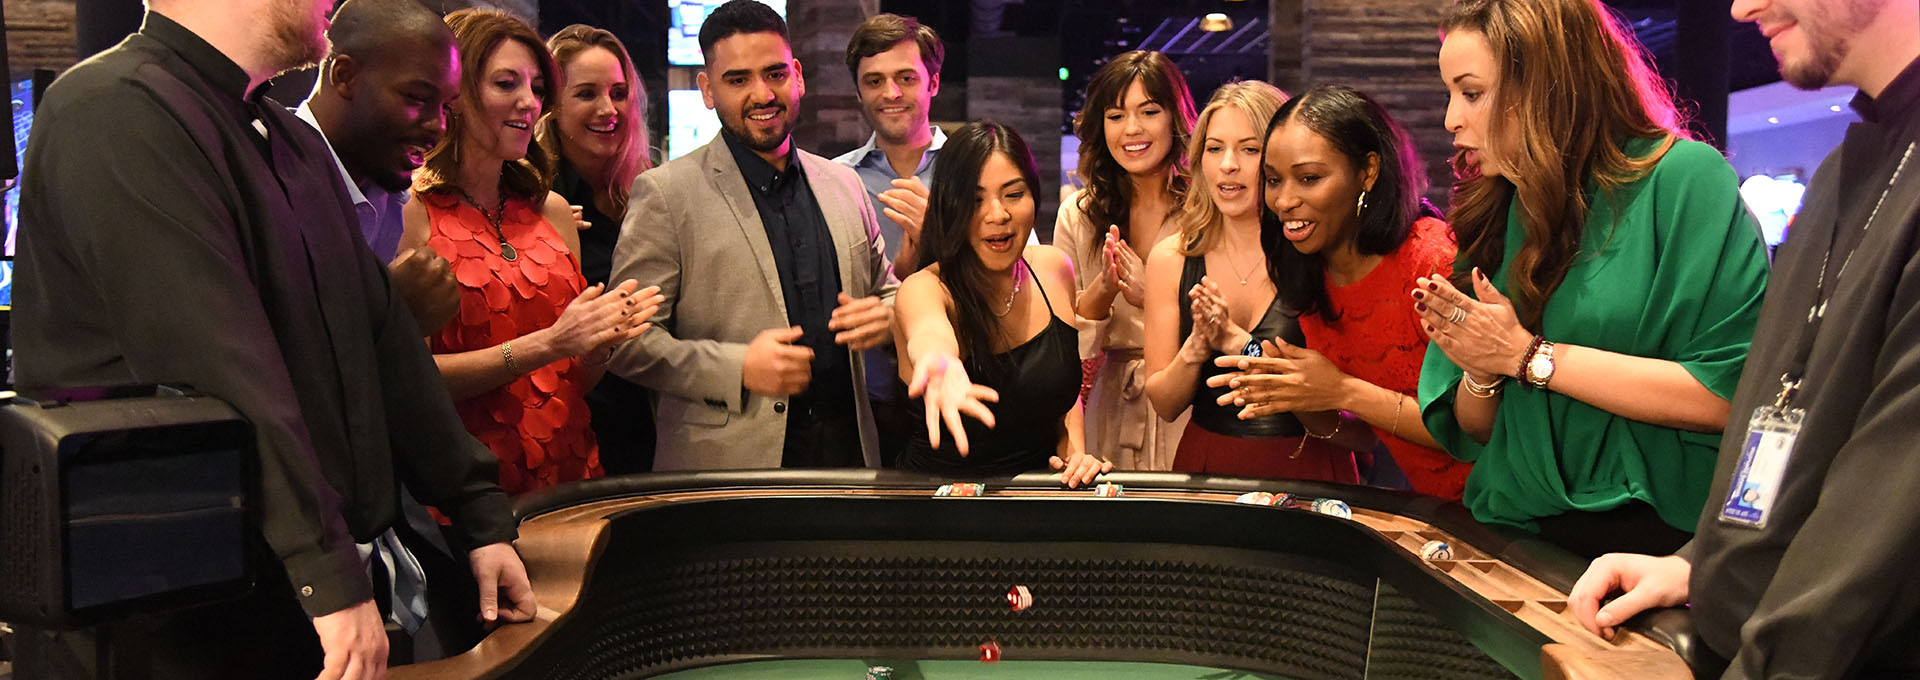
x: 1360, y: 204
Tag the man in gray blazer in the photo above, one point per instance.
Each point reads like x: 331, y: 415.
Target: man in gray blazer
x: 774, y: 272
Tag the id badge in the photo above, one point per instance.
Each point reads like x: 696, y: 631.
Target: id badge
x: 1763, y: 464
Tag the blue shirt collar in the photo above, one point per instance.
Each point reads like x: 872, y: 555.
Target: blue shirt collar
x: 870, y: 155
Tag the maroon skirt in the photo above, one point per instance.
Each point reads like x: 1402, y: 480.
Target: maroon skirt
x: 1207, y: 452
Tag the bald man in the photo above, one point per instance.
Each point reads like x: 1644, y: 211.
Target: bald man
x: 186, y: 229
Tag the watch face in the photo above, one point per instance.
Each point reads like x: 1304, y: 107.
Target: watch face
x: 1540, y: 368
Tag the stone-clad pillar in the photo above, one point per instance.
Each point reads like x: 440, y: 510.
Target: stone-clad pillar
x: 830, y: 122
x: 1389, y: 49
x: 1286, y: 54
x: 1022, y: 92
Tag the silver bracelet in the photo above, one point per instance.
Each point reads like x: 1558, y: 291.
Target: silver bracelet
x: 1486, y: 391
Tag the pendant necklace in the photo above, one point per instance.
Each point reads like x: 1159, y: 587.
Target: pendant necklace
x: 1010, y: 294
x: 1243, y: 276
x: 493, y: 220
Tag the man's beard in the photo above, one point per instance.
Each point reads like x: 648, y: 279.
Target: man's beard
x: 769, y: 144
x: 1827, y: 44
x: 293, y: 41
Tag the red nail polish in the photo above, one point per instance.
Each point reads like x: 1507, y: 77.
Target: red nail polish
x: 1420, y: 306
x: 1433, y: 286
x: 1419, y: 295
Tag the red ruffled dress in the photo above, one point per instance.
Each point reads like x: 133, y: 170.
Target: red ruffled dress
x: 1377, y: 339
x: 537, y: 424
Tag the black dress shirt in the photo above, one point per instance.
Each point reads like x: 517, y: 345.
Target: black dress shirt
x: 1827, y: 588
x: 180, y: 229
x: 596, y: 242
x: 809, y: 269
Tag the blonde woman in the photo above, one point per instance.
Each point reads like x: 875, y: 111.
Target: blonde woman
x: 597, y: 134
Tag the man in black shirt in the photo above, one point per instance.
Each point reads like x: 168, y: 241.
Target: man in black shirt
x: 182, y: 228
x: 1811, y: 574
x: 773, y: 271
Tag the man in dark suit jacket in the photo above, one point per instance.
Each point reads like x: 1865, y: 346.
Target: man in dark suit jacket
x: 773, y: 270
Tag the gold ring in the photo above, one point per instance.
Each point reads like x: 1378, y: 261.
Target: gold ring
x: 1459, y: 315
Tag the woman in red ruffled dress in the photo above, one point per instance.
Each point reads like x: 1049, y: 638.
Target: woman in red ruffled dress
x: 1342, y: 180
x: 531, y: 338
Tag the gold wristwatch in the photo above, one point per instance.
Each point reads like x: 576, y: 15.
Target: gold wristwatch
x: 1540, y: 366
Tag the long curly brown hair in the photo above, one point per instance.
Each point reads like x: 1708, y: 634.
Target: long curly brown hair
x: 1108, y: 197
x: 1574, y: 87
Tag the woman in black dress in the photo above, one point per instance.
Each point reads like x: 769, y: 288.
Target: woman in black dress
x: 990, y: 321
x: 597, y: 131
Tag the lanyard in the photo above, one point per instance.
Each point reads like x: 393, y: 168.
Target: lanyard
x: 1790, y: 380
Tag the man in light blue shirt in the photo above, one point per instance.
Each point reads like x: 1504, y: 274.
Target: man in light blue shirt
x: 381, y: 102
x: 377, y: 207
x: 895, y: 63
x: 896, y: 72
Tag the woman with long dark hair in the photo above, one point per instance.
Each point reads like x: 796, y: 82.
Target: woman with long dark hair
x: 1615, y: 280
x: 531, y: 336
x: 1209, y: 293
x: 988, y: 322
x: 1343, y: 183
x: 1133, y: 138
x: 597, y: 135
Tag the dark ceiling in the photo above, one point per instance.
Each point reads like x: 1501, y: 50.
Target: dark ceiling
x: 1750, y: 62
x: 1092, y: 31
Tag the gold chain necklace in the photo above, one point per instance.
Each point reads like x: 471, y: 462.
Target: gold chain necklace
x: 1244, y: 277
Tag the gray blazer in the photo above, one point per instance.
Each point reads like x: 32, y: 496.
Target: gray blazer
x: 692, y: 229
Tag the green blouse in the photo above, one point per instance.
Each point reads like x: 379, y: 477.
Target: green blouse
x: 1671, y: 266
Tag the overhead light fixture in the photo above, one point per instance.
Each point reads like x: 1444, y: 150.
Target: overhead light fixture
x: 1771, y: 119
x: 1835, y: 108
x: 1216, y: 22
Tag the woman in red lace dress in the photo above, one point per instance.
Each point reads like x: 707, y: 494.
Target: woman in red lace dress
x: 1344, y: 183
x: 531, y: 335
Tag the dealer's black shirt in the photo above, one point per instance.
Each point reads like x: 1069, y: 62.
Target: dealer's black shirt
x: 179, y: 229
x: 1829, y: 588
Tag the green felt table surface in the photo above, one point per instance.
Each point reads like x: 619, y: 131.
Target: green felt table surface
x: 856, y: 669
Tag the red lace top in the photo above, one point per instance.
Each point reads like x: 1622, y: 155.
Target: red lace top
x: 537, y: 424
x: 1377, y: 338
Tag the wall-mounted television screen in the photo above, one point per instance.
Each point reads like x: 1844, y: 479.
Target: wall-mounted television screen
x: 683, y: 36
x: 690, y: 124
x: 20, y: 97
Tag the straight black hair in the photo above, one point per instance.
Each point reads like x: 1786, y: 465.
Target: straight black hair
x: 736, y: 17
x: 948, y: 233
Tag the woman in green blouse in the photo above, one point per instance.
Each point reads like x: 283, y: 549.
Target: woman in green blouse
x: 1612, y: 280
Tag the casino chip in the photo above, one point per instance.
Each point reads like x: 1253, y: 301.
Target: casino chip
x: 968, y: 490
x: 1436, y: 550
x: 1278, y: 500
x: 879, y: 673
x: 1108, y: 490
x: 989, y: 651
x: 1019, y: 598
x: 1334, y: 507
